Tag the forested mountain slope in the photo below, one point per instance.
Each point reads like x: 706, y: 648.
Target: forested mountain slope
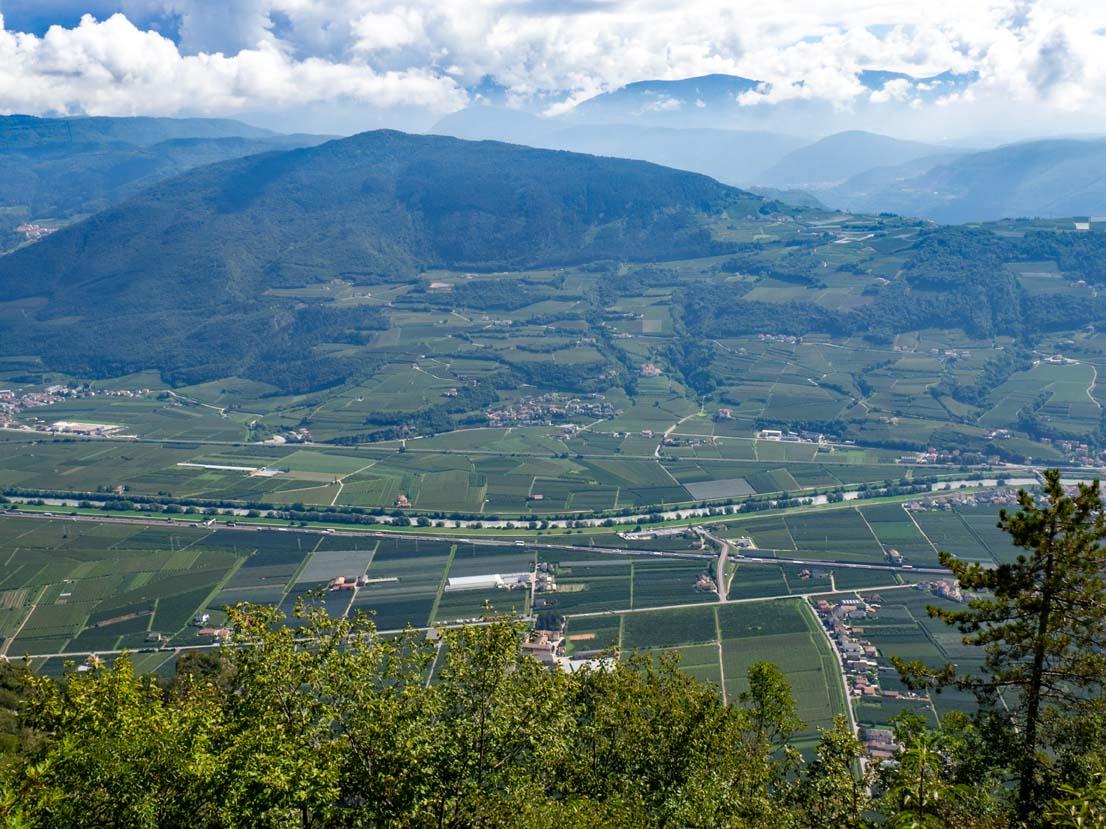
x: 28, y: 131
x: 55, y: 169
x: 176, y: 278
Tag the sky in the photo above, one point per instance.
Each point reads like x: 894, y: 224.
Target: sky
x: 343, y: 65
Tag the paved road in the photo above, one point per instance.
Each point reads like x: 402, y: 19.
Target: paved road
x: 720, y: 568
x: 752, y: 600
x: 846, y: 565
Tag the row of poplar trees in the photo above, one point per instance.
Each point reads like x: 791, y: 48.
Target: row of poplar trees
x: 319, y: 722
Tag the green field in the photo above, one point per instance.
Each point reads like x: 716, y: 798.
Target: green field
x: 718, y: 644
x: 903, y: 628
x: 463, y: 409
x: 71, y: 587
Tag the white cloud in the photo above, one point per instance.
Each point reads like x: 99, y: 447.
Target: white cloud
x: 898, y: 89
x: 112, y: 68
x: 551, y: 54
x: 399, y: 28
x: 664, y: 103
x: 1050, y: 54
x: 225, y: 26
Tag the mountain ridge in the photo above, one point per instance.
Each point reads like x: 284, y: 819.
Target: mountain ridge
x: 178, y: 275
x: 31, y: 130
x: 53, y: 170
x: 1049, y: 178
x: 841, y: 156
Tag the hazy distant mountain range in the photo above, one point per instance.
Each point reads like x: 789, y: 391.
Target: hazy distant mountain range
x: 697, y: 124
x: 52, y: 169
x: 734, y: 102
x: 840, y: 157
x: 55, y: 170
x: 1059, y: 177
x: 731, y: 156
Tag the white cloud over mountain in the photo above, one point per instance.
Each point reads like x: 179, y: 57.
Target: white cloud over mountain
x: 226, y: 56
x: 111, y: 67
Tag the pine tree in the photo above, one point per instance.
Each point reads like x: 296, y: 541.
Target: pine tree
x: 1041, y: 621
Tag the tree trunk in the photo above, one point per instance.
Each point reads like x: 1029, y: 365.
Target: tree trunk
x: 1033, y: 699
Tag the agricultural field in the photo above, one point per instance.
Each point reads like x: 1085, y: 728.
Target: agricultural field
x: 874, y: 533
x: 75, y: 586
x: 524, y: 473
x: 605, y: 391
x: 557, y: 391
x: 719, y: 642
x: 903, y: 628
x: 72, y: 587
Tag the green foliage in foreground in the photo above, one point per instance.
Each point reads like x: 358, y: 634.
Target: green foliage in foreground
x: 323, y: 723
x: 347, y: 731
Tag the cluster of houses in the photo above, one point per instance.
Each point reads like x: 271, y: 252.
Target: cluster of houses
x: 545, y: 583
x: 879, y: 743
x: 933, y: 456
x: 650, y: 370
x: 859, y: 657
x: 548, y: 409
x: 203, y: 622
x: 940, y: 353
x: 945, y: 589
x: 779, y: 338
x: 76, y: 427
x: 300, y: 435
x: 951, y: 353
x: 1003, y: 497
x: 659, y: 532
x: 1078, y: 451
x: 670, y: 440
x: 549, y: 648
x: 705, y: 584
x: 14, y: 402
x: 339, y: 583
x: 860, y: 662
x: 1055, y: 360
x: 32, y: 231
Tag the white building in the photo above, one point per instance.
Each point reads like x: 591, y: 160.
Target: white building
x: 487, y: 582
